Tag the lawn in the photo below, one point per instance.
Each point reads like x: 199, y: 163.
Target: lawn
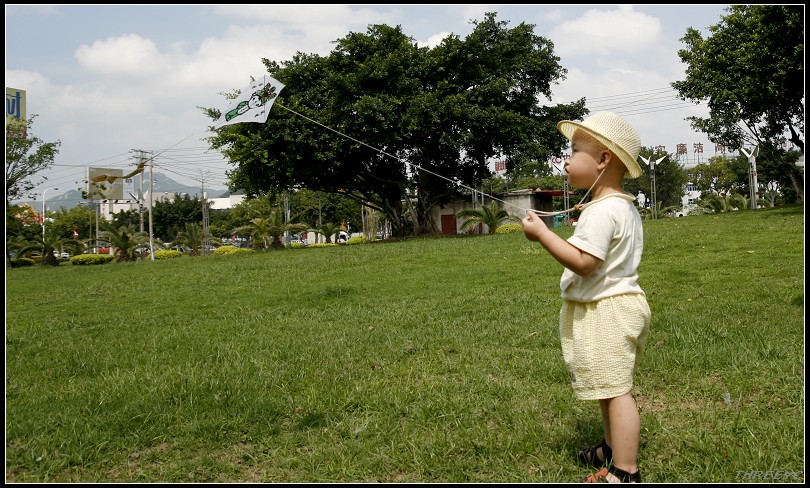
x: 423, y: 360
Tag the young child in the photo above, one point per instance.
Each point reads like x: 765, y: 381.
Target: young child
x: 604, y: 319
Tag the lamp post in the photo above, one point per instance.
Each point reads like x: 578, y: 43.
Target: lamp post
x: 43, y: 211
x: 561, y: 161
x: 653, y: 197
x: 752, y: 174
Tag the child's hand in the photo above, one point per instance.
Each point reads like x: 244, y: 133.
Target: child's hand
x: 533, y: 226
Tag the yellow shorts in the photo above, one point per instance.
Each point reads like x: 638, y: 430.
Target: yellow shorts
x: 602, y: 342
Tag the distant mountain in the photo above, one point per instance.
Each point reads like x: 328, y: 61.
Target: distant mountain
x: 162, y: 183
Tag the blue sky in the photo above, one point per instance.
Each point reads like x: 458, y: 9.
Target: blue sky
x: 107, y: 80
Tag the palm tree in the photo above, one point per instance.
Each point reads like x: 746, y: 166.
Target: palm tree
x: 327, y: 230
x: 192, y: 237
x: 660, y: 211
x: 268, y: 232
x: 46, y: 246
x: 259, y: 231
x: 490, y: 215
x: 278, y: 228
x: 125, y: 240
x: 724, y: 203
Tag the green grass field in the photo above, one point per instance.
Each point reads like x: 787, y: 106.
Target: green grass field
x: 425, y: 360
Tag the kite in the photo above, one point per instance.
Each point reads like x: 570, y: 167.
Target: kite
x: 253, y: 104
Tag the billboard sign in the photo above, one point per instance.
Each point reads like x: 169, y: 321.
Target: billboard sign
x: 15, y: 104
x: 105, y: 183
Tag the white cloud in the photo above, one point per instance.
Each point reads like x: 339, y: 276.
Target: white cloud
x: 433, y: 40
x: 129, y: 55
x: 606, y: 32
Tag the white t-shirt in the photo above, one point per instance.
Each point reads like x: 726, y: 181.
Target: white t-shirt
x: 609, y: 228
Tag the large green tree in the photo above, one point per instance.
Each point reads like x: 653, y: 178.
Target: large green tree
x: 170, y: 217
x: 721, y: 175
x: 26, y: 157
x: 750, y: 72
x: 400, y: 128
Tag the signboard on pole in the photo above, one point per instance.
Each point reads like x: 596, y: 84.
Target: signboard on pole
x: 105, y: 183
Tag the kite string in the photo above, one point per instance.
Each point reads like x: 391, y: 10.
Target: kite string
x: 414, y: 165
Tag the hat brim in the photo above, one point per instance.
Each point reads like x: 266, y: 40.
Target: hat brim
x: 568, y: 127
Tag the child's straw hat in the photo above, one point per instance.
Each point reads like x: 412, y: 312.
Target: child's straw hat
x: 612, y: 131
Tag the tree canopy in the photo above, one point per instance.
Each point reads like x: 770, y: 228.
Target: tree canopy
x: 750, y: 71
x: 400, y: 128
x: 26, y: 155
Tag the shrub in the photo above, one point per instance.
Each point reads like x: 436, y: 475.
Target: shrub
x: 357, y: 240
x: 168, y: 254
x: 21, y: 262
x: 91, y: 259
x: 509, y: 228
x: 323, y: 244
x: 228, y: 250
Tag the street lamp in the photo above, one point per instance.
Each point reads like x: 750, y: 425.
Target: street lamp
x: 43, y: 211
x: 561, y: 160
x: 752, y: 173
x: 653, y: 197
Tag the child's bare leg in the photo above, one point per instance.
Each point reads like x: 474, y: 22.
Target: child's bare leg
x: 603, y: 405
x: 624, y: 425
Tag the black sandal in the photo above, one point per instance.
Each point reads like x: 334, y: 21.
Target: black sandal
x: 590, y: 457
x: 624, y: 476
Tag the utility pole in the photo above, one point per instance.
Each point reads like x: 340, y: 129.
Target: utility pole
x: 204, y: 219
x: 140, y: 193
x: 151, y: 200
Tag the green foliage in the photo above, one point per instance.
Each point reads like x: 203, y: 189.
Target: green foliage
x: 21, y: 262
x: 750, y: 72
x: 268, y: 232
x: 447, y: 110
x: 724, y: 203
x: 490, y: 215
x: 192, y: 236
x: 322, y: 244
x: 356, y: 240
x: 125, y: 240
x: 230, y: 250
x: 171, y: 218
x: 168, y: 254
x: 670, y: 179
x: 26, y: 156
x: 327, y: 230
x: 509, y: 228
x: 91, y: 259
x: 45, y: 246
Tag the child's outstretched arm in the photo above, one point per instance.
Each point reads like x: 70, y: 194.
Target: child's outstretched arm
x: 563, y: 251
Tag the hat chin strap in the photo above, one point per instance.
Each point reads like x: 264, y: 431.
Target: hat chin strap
x: 579, y: 205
